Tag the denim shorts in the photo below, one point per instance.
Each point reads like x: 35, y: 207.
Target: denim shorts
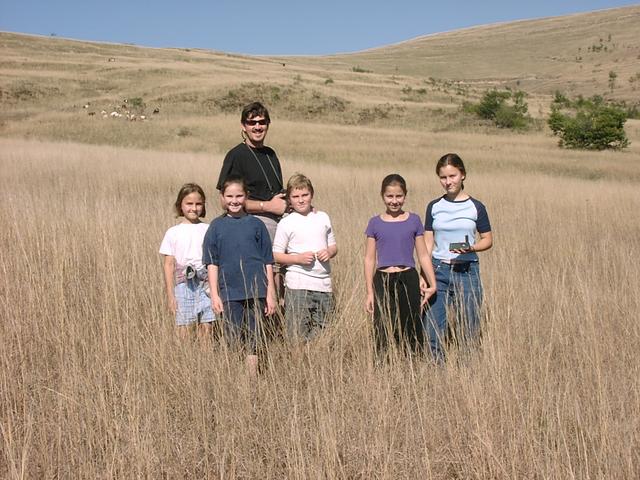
x: 193, y: 304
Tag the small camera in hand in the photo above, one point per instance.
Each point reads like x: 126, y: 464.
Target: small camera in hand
x: 460, y: 245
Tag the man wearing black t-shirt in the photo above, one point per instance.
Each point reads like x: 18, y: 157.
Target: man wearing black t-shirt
x: 259, y: 166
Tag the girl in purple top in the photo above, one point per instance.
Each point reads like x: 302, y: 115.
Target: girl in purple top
x: 393, y: 284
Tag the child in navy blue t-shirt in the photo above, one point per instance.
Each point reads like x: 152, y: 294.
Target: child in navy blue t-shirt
x: 237, y: 252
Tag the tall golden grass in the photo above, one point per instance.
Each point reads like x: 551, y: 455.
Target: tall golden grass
x: 95, y: 384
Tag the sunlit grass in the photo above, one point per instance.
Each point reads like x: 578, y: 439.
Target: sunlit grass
x: 94, y: 382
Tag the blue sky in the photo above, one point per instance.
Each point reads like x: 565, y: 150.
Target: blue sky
x: 263, y: 27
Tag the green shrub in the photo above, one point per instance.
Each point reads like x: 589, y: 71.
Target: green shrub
x: 612, y: 80
x: 292, y: 101
x: 632, y: 110
x: 508, y: 116
x: 505, y: 109
x: 136, y: 104
x: 590, y: 124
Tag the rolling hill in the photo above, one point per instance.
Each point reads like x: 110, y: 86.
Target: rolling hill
x: 57, y: 88
x: 572, y: 53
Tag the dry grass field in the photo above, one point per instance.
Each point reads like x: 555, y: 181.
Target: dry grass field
x: 95, y: 384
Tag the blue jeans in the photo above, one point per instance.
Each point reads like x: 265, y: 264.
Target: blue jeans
x: 458, y: 288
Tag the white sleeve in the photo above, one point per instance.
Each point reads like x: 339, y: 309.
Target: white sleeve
x: 281, y: 239
x: 331, y: 238
x: 167, y: 245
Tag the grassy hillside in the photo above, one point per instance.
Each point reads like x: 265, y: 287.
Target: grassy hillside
x: 45, y: 83
x: 572, y: 53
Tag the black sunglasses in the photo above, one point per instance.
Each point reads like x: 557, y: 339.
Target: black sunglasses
x: 251, y: 123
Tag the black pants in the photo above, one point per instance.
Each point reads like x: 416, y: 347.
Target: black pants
x: 396, y: 313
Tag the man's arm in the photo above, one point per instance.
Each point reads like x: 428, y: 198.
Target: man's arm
x: 277, y: 205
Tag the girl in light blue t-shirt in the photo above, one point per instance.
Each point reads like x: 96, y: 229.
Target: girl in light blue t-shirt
x: 456, y: 228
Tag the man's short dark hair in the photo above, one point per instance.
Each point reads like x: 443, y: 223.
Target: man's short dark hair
x: 255, y: 109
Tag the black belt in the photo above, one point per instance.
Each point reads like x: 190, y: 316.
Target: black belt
x: 458, y: 267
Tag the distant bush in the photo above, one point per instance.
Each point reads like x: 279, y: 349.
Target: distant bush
x: 294, y: 101
x: 379, y: 112
x: 632, y: 111
x: 137, y: 103
x: 612, y: 80
x: 358, y: 69
x: 185, y: 132
x: 411, y: 94
x: 21, y: 91
x: 505, y: 109
x: 590, y: 124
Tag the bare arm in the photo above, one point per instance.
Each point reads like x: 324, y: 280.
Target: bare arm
x: 369, y: 270
x: 169, y: 266
x: 305, y: 258
x: 216, y: 301
x: 270, y: 307
x: 429, y: 242
x: 426, y: 270
x: 277, y: 205
x: 485, y: 242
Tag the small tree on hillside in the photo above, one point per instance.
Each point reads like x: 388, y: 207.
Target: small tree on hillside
x: 612, y: 80
x: 504, y: 108
x: 588, y: 123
